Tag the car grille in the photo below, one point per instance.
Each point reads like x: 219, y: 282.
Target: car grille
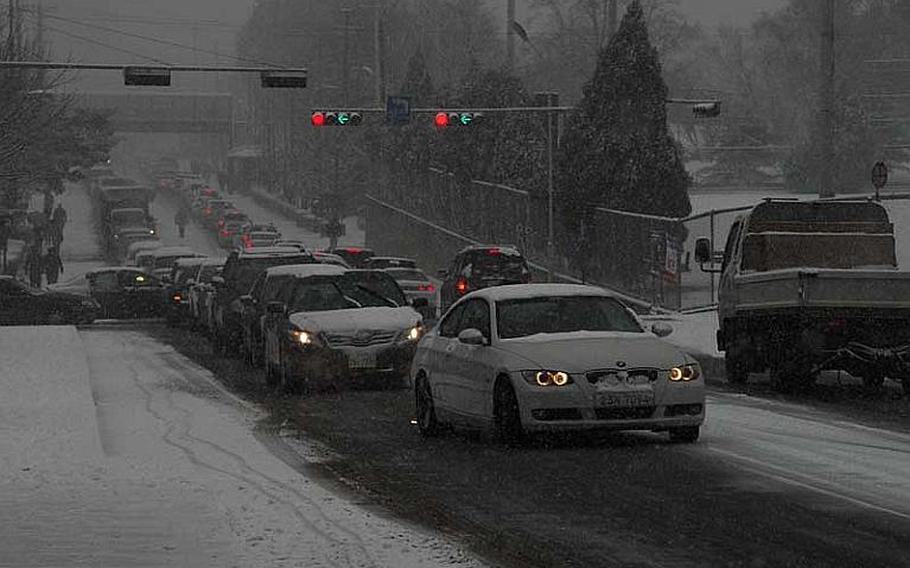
x: 637, y: 413
x: 361, y: 339
x: 633, y: 376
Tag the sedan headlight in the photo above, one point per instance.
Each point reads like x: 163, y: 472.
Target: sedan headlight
x: 684, y: 373
x: 547, y: 378
x: 411, y: 334
x: 303, y: 338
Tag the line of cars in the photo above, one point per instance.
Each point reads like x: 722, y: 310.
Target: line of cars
x: 123, y: 208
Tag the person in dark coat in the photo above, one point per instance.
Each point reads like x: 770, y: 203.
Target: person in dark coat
x: 34, y: 266
x: 58, y: 221
x: 53, y: 266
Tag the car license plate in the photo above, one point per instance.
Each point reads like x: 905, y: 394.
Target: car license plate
x: 362, y: 360
x: 623, y: 399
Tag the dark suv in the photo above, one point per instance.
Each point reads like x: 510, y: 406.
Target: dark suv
x: 477, y: 267
x: 240, y: 272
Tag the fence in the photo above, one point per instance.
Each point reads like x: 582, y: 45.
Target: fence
x: 646, y: 257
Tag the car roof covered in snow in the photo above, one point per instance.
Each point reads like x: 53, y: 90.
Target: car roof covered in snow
x: 172, y: 251
x: 521, y: 291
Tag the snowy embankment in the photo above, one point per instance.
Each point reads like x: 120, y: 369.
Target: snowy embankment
x: 118, y: 451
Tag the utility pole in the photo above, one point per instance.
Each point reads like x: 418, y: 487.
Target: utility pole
x: 377, y: 55
x: 11, y: 38
x: 612, y: 19
x: 39, y: 27
x: 826, y: 129
x: 510, y: 34
x: 345, y: 63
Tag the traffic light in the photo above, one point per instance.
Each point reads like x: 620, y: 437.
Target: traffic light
x: 333, y: 118
x: 444, y: 119
x: 706, y: 110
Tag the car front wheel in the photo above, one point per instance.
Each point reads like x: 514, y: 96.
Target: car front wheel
x: 685, y: 435
x: 508, y: 414
x: 426, y: 411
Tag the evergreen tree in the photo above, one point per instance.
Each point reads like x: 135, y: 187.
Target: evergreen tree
x: 617, y: 151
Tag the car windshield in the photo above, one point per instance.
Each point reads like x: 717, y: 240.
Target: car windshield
x: 379, y: 284
x: 325, y: 293
x: 562, y: 314
x: 131, y: 216
x: 250, y: 268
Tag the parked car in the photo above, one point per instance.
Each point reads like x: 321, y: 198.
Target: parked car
x: 415, y: 284
x: 330, y: 329
x: 202, y: 291
x: 163, y: 259
x: 21, y: 304
x: 133, y: 249
x: 121, y: 291
x: 354, y: 256
x: 554, y: 357
x: 329, y: 258
x: 212, y: 210
x: 268, y: 287
x: 240, y: 271
x: 231, y: 224
x: 178, y: 298
x: 383, y: 262
x: 478, y: 267
x: 127, y: 237
x: 256, y: 235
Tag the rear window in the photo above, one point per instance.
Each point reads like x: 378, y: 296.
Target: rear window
x: 407, y: 274
x: 496, y: 264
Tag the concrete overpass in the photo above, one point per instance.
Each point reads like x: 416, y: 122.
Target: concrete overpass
x: 164, y: 112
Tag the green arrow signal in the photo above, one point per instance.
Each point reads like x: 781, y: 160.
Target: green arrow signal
x: 343, y: 118
x: 466, y: 119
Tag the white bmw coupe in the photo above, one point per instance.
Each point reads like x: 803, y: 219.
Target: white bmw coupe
x: 553, y: 357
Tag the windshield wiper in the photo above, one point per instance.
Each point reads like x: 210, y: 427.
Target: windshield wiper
x: 376, y: 294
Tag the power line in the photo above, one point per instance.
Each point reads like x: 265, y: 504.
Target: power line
x: 164, y: 42
x: 102, y: 44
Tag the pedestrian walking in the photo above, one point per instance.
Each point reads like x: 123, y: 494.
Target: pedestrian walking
x: 34, y: 266
x: 52, y: 265
x: 181, y: 219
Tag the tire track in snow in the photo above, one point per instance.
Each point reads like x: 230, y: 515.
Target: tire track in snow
x: 270, y: 493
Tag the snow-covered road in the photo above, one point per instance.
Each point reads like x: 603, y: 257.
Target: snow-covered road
x: 117, y: 451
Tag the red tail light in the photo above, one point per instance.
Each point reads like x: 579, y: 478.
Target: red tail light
x: 425, y: 288
x: 225, y: 233
x: 494, y: 252
x: 461, y: 286
x: 221, y: 222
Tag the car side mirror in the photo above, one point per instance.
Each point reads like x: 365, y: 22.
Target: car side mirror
x: 703, y: 251
x: 420, y: 303
x: 472, y: 336
x: 442, y: 273
x: 275, y: 308
x: 661, y: 329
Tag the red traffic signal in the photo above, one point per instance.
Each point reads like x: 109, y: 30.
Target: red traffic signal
x: 444, y: 119
x: 333, y: 118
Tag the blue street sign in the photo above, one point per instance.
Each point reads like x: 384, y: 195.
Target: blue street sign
x: 398, y: 110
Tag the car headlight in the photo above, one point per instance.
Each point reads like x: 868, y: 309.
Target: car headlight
x: 301, y: 337
x: 547, y: 378
x: 412, y: 333
x: 684, y: 373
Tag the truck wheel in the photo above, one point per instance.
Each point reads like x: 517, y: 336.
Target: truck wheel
x: 791, y: 379
x: 736, y: 369
x: 873, y: 381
